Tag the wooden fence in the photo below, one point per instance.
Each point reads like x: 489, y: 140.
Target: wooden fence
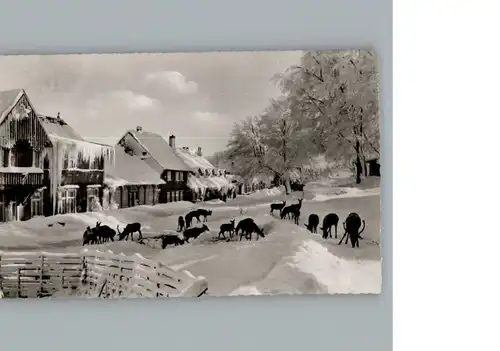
x: 38, y: 274
x: 93, y: 273
x: 109, y: 275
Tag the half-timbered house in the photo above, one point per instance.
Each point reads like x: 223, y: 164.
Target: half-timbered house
x: 158, y: 154
x: 47, y: 168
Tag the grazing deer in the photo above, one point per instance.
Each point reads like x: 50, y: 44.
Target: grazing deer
x: 247, y: 227
x: 130, y: 229
x: 227, y: 227
x: 330, y: 220
x: 170, y: 239
x: 312, y: 226
x: 194, y: 232
x: 351, y: 227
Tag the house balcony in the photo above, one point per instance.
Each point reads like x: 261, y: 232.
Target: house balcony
x: 10, y: 176
x: 82, y: 176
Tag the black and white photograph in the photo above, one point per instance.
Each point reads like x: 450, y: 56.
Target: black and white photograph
x: 190, y: 174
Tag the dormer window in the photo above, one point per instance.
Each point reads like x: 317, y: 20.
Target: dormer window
x: 144, y: 153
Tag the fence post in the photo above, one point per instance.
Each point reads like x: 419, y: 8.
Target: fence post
x: 40, y: 292
x: 19, y: 282
x: 1, y: 277
x: 62, y: 279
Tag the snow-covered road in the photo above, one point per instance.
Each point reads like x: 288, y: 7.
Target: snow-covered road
x: 289, y: 260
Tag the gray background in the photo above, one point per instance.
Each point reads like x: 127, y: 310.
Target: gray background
x: 241, y: 323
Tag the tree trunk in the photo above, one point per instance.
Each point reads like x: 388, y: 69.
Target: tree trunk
x: 288, y: 187
x: 358, y: 163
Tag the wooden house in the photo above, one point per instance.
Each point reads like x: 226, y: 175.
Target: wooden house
x: 205, y: 181
x: 47, y: 168
x: 129, y: 181
x: 158, y: 154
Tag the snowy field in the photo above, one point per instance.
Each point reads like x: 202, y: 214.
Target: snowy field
x: 289, y: 260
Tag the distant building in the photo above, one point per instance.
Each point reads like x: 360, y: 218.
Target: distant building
x: 156, y: 152
x: 129, y: 181
x: 205, y: 181
x: 46, y: 167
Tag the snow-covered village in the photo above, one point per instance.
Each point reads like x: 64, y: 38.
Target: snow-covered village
x: 189, y: 175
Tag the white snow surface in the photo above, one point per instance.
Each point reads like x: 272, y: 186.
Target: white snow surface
x: 289, y: 260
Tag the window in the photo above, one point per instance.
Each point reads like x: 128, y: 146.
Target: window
x: 5, y: 157
x: 150, y: 195
x: 169, y: 176
x: 68, y: 201
x: 181, y: 197
x: 70, y: 161
x: 2, y: 208
x: 92, y: 199
x: 37, y: 162
x: 36, y: 204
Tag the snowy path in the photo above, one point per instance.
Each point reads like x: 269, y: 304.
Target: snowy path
x: 289, y: 260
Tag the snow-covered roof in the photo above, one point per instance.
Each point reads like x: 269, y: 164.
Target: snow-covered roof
x: 8, y: 100
x: 129, y: 170
x: 193, y: 160
x: 202, y: 183
x: 56, y: 127
x: 159, y: 149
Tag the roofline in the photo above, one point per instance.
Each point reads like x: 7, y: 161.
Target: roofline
x: 14, y: 103
x: 93, y: 142
x: 158, y: 163
x: 67, y: 124
x: 6, y: 112
x: 145, y: 148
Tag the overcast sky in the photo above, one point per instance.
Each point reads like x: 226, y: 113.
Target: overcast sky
x: 196, y: 97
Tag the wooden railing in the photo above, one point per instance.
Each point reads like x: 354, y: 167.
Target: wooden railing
x: 93, y: 273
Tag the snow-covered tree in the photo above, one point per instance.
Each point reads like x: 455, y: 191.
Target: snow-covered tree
x: 335, y: 97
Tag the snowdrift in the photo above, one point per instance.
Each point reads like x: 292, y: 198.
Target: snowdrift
x: 312, y: 268
x: 43, y: 231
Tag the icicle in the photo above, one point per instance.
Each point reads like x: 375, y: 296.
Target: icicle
x: 105, y: 199
x: 95, y: 206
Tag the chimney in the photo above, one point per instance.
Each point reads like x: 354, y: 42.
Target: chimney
x: 139, y: 129
x: 171, y: 141
x: 199, y: 151
x: 58, y: 115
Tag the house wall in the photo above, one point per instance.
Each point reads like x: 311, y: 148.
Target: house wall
x: 74, y: 180
x: 126, y: 196
x: 22, y: 143
x: 175, y: 187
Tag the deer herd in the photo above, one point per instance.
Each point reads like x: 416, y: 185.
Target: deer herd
x: 353, y: 227
x: 352, y: 223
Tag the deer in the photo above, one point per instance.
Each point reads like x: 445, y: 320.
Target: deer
x: 351, y: 227
x: 129, y: 229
